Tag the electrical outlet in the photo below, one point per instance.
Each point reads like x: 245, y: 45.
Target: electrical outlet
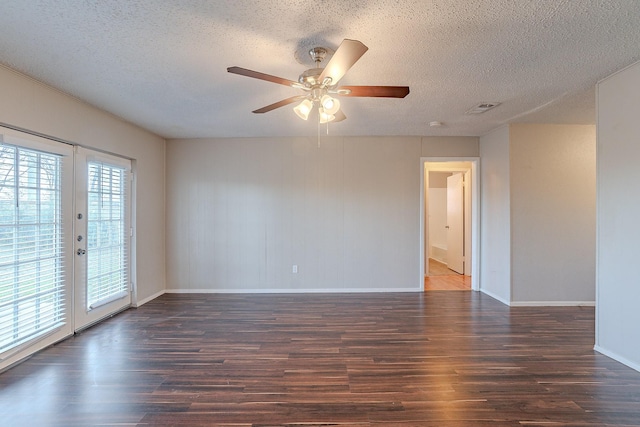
x: 294, y: 270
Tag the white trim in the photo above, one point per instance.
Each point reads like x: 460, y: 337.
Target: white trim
x: 107, y: 159
x: 617, y: 357
x: 133, y: 238
x: 53, y: 138
x: 598, y: 215
x: 290, y: 291
x: 16, y: 138
x: 475, y: 214
x: 495, y: 297
x: 15, y: 358
x: 147, y: 299
x: 552, y: 304
x: 109, y: 299
x: 27, y: 345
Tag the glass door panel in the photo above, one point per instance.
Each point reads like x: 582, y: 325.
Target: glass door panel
x: 103, y: 235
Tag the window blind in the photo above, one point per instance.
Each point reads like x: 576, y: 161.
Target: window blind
x: 107, y: 234
x: 32, y: 270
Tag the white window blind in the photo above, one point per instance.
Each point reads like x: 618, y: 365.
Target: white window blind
x: 107, y: 234
x: 32, y: 270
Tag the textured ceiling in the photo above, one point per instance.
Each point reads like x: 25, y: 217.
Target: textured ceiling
x: 162, y: 63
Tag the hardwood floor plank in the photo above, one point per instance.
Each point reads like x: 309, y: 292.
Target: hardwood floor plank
x: 441, y: 278
x: 409, y: 359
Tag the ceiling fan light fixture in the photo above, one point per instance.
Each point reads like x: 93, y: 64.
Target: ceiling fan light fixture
x: 320, y: 84
x: 324, y: 116
x: 330, y: 105
x: 303, y: 109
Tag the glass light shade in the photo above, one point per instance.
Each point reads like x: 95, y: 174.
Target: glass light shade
x: 330, y: 105
x: 324, y: 117
x: 303, y: 109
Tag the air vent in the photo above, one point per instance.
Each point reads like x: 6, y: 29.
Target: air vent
x: 482, y: 107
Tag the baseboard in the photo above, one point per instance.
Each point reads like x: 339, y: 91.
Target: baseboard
x: 494, y: 296
x: 289, y: 291
x: 438, y: 259
x: 552, y: 304
x: 617, y: 357
x: 147, y: 299
x: 360, y: 290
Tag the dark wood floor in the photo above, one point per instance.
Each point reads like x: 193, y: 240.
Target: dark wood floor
x: 410, y: 359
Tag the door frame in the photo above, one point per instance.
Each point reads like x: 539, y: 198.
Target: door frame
x: 475, y: 210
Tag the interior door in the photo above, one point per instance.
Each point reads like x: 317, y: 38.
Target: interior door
x: 455, y: 222
x: 102, y: 236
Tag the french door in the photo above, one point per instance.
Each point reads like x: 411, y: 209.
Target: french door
x: 65, y: 232
x: 102, y: 225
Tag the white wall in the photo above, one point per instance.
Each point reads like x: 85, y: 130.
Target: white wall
x: 553, y: 189
x: 495, y: 216
x: 450, y: 146
x: 618, y: 213
x: 28, y: 104
x: 538, y: 214
x: 242, y: 212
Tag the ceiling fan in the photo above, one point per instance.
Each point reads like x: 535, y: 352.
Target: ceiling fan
x: 320, y: 84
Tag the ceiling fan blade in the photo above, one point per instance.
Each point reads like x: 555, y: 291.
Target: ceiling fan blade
x: 279, y: 104
x: 347, y: 54
x: 339, y: 116
x: 262, y: 76
x: 375, y: 91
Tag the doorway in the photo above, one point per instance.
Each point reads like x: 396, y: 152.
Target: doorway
x: 449, y: 224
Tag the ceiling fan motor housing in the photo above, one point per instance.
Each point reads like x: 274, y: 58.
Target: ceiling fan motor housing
x: 309, y: 77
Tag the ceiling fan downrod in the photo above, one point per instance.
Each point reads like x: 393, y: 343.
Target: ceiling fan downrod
x: 318, y: 54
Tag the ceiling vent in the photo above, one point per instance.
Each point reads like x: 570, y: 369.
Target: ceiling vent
x: 482, y: 107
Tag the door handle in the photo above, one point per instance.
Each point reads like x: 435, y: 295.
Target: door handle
x: 81, y: 252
